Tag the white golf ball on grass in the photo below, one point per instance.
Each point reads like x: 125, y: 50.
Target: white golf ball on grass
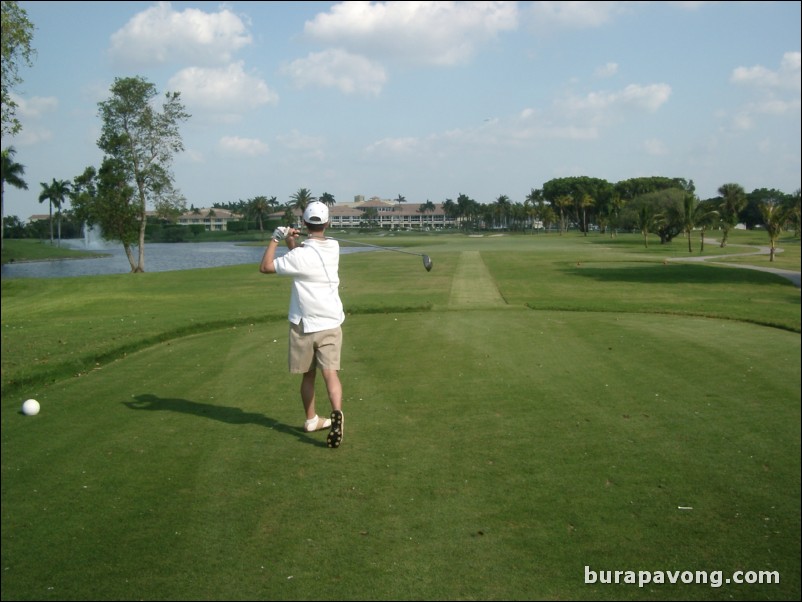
x: 30, y: 407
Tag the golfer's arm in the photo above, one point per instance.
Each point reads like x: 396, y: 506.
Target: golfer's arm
x: 267, y: 266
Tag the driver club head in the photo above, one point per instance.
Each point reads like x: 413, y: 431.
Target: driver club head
x: 427, y: 263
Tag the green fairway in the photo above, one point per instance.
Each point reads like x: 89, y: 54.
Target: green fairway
x: 533, y: 408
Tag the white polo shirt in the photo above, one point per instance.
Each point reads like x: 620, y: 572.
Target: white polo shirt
x: 315, y: 297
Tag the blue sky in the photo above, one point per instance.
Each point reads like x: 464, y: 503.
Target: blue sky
x: 427, y: 100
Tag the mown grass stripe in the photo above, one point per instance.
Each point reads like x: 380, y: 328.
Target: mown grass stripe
x: 473, y: 286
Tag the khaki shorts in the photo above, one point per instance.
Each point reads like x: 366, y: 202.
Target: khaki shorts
x: 308, y: 350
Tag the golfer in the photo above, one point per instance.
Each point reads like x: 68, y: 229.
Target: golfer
x: 316, y: 313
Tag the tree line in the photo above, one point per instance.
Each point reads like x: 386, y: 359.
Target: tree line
x: 140, y: 139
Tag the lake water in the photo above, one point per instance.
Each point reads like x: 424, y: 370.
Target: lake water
x: 159, y: 257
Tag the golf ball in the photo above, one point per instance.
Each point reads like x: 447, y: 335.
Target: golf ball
x: 30, y: 407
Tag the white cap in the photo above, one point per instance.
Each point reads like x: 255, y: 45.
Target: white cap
x: 316, y: 213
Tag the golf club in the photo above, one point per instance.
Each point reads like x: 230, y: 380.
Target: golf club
x: 427, y: 261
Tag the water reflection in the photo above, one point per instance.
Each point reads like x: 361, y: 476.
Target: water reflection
x: 159, y: 257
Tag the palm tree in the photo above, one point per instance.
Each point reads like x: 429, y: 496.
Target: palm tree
x: 427, y: 207
x: 55, y: 193
x: 467, y: 208
x: 501, y: 210
x: 775, y: 216
x: 259, y: 208
x: 733, y: 201
x: 12, y: 173
x: 450, y: 209
x: 301, y: 199
x: 704, y: 218
x: 585, y: 202
x: 689, y: 216
x: 400, y: 200
x: 563, y: 202
x: 327, y: 199
x: 645, y: 220
x: 616, y: 205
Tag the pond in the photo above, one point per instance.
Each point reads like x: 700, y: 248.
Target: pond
x: 159, y: 257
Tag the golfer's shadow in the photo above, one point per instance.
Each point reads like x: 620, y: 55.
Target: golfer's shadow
x: 226, y: 414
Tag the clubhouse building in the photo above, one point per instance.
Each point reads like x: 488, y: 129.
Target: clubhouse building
x: 386, y: 214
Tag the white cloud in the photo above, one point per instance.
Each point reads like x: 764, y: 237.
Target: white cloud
x: 224, y: 90
x: 309, y: 146
x: 574, y: 15
x: 160, y: 34
x: 34, y: 107
x: 251, y: 147
x: 30, y: 112
x: 770, y: 87
x: 336, y: 68
x: 395, y: 147
x: 433, y: 33
x: 606, y: 70
x: 31, y: 135
x: 635, y: 96
x: 787, y: 76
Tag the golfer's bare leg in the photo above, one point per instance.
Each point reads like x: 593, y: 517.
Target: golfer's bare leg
x: 334, y: 388
x: 308, y: 393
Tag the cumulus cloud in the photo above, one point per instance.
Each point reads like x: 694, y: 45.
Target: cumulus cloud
x: 251, y: 147
x: 30, y: 111
x: 574, y: 15
x: 34, y: 107
x: 336, y: 68
x: 787, y: 76
x: 777, y: 91
x: 635, y: 96
x: 226, y: 89
x: 431, y: 33
x: 160, y: 34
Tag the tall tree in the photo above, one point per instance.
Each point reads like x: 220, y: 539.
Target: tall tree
x: 450, y: 209
x: 501, y: 210
x: 55, y: 193
x: 301, y: 198
x: 327, y: 199
x: 689, y: 204
x: 259, y: 208
x: 775, y: 215
x: 585, y: 202
x: 563, y: 202
x: 12, y: 173
x: 139, y: 143
x: 16, y: 50
x: 424, y: 208
x: 645, y: 221
x: 733, y: 200
x: 705, y: 216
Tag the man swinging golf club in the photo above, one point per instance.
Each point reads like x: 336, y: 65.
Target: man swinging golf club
x: 315, y: 315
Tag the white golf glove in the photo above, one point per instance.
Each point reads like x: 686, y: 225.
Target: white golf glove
x: 280, y: 233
